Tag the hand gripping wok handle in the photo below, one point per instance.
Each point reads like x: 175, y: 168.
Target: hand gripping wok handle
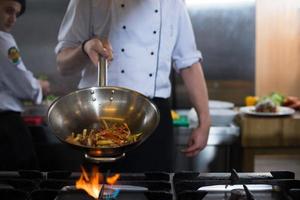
x: 102, y: 71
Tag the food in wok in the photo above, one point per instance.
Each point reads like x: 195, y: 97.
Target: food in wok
x: 110, y: 134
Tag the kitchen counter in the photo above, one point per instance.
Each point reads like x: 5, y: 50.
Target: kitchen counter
x: 260, y: 131
x: 269, y: 136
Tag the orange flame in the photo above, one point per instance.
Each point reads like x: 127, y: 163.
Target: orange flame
x: 92, y: 184
x: 113, y: 179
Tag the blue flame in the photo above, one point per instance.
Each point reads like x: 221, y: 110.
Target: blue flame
x: 113, y: 195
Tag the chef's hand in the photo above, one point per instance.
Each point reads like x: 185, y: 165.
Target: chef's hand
x: 197, y: 141
x: 45, y: 85
x: 95, y: 46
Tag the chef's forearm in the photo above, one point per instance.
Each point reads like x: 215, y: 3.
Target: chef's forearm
x: 194, y: 81
x: 71, y: 60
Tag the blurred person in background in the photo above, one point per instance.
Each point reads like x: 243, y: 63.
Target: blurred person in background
x: 143, y: 39
x: 16, y: 85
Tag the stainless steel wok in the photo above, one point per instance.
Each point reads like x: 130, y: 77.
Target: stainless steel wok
x: 85, y: 108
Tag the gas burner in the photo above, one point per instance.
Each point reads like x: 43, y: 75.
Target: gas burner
x: 29, y: 185
x: 71, y: 193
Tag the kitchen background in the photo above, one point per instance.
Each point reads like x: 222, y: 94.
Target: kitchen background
x: 249, y: 48
x: 225, y: 33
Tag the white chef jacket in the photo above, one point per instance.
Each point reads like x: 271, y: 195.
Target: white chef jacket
x: 147, y: 36
x: 16, y: 82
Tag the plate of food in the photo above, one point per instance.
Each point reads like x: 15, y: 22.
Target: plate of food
x: 274, y: 104
x: 279, y: 111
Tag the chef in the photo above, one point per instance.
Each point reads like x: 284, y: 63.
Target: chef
x: 16, y: 84
x: 143, y: 39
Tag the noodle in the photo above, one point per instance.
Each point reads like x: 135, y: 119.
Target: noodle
x: 112, y: 134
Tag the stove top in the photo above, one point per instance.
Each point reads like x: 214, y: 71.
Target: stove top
x: 36, y: 185
x: 228, y: 186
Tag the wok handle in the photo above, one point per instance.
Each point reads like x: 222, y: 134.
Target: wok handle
x: 102, y: 71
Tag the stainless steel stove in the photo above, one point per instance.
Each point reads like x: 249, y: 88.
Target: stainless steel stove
x: 35, y: 185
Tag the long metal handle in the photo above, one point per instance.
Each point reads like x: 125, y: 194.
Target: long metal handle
x: 102, y: 72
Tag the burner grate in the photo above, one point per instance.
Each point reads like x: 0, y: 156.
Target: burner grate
x: 43, y: 194
x: 281, y: 185
x: 35, y: 185
x: 295, y: 193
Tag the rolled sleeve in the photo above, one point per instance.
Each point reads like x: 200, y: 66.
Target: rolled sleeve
x: 185, y: 51
x: 187, y: 61
x: 65, y: 44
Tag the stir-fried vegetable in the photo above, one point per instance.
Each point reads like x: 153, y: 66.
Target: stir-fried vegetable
x: 110, y: 134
